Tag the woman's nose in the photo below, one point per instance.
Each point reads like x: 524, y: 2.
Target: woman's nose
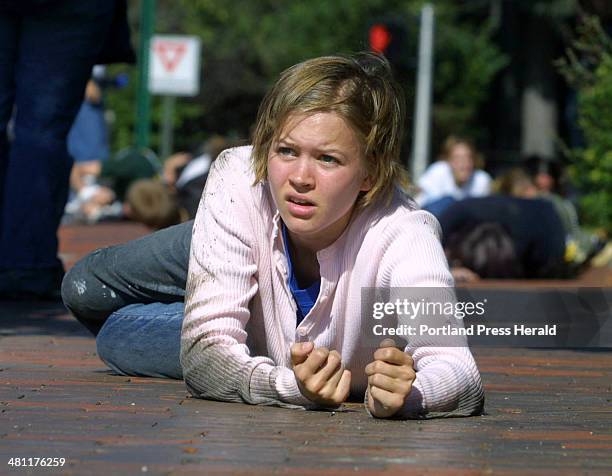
x: 301, y: 176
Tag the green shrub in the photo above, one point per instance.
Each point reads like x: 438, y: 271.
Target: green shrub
x: 245, y: 45
x: 588, y: 68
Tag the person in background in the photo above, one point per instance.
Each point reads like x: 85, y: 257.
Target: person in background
x: 175, y: 198
x: 88, y: 141
x: 104, y: 196
x: 457, y: 175
x: 485, y: 250
x: 186, y: 174
x: 47, y: 51
x: 546, y: 175
x: 150, y: 202
x: 513, y: 234
x: 88, y: 145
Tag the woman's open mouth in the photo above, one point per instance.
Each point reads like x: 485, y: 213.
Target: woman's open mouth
x: 300, y: 207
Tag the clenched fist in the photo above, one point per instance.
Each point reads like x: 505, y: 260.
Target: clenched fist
x: 320, y: 375
x: 390, y: 378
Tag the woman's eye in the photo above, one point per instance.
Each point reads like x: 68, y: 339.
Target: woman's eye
x: 285, y: 151
x: 328, y: 159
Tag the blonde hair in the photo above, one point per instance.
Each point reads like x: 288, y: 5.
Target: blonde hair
x: 514, y: 182
x: 360, y: 89
x: 452, y: 141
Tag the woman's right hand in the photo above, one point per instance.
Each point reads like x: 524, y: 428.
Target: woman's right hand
x: 320, y: 375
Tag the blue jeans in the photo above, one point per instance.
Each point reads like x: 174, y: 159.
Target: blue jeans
x: 46, y: 57
x: 143, y: 339
x: 88, y: 138
x: 131, y: 297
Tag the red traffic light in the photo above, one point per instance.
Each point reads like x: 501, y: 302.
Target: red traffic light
x: 380, y: 38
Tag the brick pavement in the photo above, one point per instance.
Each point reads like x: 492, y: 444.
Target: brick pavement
x: 547, y: 411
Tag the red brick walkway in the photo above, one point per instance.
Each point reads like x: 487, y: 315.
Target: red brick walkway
x: 78, y: 240
x: 547, y: 411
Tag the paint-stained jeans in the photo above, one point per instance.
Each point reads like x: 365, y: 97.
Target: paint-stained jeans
x: 131, y: 297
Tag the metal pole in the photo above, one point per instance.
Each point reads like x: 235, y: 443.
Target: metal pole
x: 422, y: 112
x: 143, y: 113
x: 167, y: 138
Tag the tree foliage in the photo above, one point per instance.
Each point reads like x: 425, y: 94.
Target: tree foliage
x: 588, y: 68
x: 246, y: 44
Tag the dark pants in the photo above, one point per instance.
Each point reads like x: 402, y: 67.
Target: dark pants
x: 46, y: 57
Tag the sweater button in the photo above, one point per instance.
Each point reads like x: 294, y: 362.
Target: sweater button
x: 301, y: 335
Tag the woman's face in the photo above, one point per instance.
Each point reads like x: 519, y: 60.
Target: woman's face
x: 461, y: 161
x: 316, y: 172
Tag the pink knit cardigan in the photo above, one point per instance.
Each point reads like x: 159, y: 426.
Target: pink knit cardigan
x: 240, y: 317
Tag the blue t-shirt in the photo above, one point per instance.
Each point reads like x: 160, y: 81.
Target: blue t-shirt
x: 304, y: 298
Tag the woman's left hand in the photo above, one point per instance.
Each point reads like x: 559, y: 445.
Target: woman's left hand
x: 390, y: 378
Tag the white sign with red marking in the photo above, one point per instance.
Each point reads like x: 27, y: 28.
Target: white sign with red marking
x: 174, y: 67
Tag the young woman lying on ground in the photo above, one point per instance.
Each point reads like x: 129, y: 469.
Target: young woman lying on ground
x: 288, y: 233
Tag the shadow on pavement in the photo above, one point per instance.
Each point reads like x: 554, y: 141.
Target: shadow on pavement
x: 38, y: 318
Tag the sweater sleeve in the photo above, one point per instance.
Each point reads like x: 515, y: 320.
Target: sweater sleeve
x: 221, y: 282
x: 447, y: 379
